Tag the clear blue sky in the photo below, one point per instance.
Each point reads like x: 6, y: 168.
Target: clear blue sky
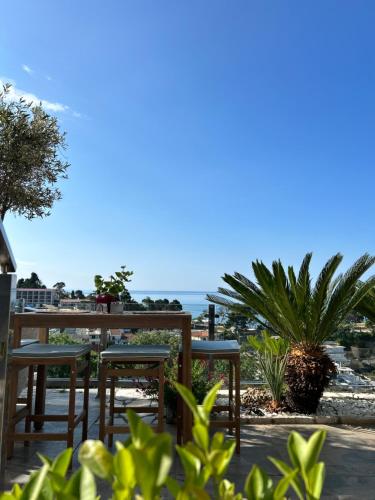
x: 202, y: 134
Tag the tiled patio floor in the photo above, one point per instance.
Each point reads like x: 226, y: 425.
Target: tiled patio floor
x: 349, y: 453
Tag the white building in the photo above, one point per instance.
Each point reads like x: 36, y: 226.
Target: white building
x: 337, y: 353
x: 38, y: 296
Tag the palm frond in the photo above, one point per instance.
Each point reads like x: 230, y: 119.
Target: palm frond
x: 340, y: 303
x: 289, y: 305
x: 323, y: 289
x: 366, y: 306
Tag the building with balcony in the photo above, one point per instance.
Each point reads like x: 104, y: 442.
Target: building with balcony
x: 35, y: 297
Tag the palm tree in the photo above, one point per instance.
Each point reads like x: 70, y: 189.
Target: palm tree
x: 366, y: 306
x: 304, y: 314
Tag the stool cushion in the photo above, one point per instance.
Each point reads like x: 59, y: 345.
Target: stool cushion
x: 215, y: 346
x: 25, y: 342
x: 51, y: 351
x: 126, y: 351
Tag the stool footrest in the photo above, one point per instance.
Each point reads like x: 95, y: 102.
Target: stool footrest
x: 122, y: 429
x: 223, y: 423
x: 40, y: 436
x: 227, y: 407
x: 136, y: 409
x: 132, y: 372
x: 48, y: 418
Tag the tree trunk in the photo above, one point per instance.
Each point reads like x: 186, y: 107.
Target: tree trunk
x: 307, y: 374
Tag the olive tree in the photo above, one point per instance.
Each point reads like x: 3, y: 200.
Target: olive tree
x: 31, y: 161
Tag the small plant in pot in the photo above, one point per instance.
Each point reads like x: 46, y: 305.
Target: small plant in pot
x: 109, y: 291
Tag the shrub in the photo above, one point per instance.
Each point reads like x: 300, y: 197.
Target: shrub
x: 248, y: 365
x: 200, y: 379
x: 63, y: 371
x: 60, y: 371
x: 140, y: 467
x: 272, y: 357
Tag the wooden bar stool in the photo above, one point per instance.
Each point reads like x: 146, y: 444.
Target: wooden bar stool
x: 228, y: 350
x: 144, y: 361
x: 24, y: 410
x: 34, y: 355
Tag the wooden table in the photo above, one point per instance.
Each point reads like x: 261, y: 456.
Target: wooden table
x: 147, y: 320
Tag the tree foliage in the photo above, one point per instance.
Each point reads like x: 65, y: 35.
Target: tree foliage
x: 31, y: 160
x: 33, y: 282
x: 60, y: 287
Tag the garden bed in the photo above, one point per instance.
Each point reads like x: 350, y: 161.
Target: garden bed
x: 335, y: 408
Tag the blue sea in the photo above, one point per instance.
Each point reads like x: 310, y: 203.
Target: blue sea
x: 193, y: 302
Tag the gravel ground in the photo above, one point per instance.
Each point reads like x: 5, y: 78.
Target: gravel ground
x: 346, y: 404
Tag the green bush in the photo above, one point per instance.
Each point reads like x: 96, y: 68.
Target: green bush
x: 201, y: 380
x: 272, y: 357
x: 347, y: 337
x: 248, y: 365
x: 63, y: 371
x: 140, y: 468
x: 60, y: 371
x: 155, y: 337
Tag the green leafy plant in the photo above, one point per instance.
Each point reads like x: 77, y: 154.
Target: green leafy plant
x: 288, y: 305
x: 63, y: 371
x: 60, y: 371
x: 115, y: 285
x: 141, y: 466
x: 272, y: 358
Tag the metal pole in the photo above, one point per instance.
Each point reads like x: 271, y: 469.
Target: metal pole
x: 211, y: 322
x: 7, y: 303
x: 211, y: 333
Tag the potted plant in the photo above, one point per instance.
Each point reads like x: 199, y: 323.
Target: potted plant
x: 289, y: 305
x: 109, y: 291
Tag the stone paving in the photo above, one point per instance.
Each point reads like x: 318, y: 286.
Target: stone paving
x: 349, y: 452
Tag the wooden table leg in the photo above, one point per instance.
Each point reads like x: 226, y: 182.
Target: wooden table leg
x: 186, y: 379
x: 17, y: 335
x: 12, y: 383
x: 102, y: 390
x: 41, y: 383
x: 103, y: 342
x: 86, y: 394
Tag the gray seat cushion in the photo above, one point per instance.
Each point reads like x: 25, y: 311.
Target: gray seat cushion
x: 126, y: 351
x: 51, y: 351
x: 215, y: 346
x: 25, y: 342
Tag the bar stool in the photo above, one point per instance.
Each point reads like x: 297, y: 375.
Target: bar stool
x: 22, y: 412
x: 115, y: 361
x: 228, y: 350
x: 47, y: 355
x: 25, y: 342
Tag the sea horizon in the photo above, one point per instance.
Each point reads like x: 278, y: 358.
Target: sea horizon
x: 193, y: 301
